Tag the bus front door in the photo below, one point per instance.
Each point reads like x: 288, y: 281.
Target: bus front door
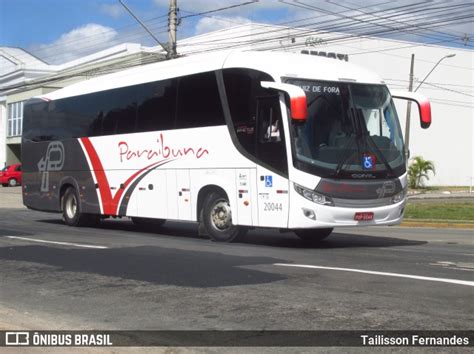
x: 272, y: 186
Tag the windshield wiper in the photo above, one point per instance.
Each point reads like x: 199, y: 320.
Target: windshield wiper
x: 349, y: 153
x: 346, y: 157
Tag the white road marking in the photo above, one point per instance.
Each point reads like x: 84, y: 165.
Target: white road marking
x: 455, y: 265
x: 418, y: 277
x: 56, y: 242
x: 422, y: 251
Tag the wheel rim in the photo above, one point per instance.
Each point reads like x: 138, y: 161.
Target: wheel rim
x: 71, y: 206
x: 12, y: 182
x: 221, y: 215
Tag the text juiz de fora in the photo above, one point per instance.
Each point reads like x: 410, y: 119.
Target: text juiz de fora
x: 160, y: 150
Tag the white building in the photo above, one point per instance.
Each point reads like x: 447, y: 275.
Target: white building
x: 16, y: 67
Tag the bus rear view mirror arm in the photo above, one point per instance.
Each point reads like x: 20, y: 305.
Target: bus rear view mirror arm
x: 298, y: 107
x: 424, y: 107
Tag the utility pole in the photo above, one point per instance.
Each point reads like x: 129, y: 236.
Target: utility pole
x: 407, y: 123
x: 172, y: 24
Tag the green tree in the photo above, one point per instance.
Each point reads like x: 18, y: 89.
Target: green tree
x: 418, y: 170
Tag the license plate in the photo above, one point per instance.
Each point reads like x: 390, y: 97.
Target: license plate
x: 364, y: 216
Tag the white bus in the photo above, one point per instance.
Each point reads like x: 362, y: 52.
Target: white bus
x: 230, y: 140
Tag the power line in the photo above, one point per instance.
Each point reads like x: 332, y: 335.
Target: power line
x: 398, y: 10
x: 98, y: 35
x: 122, y: 63
x: 454, y: 101
x: 340, y: 23
x: 90, y: 43
x: 335, y: 39
x: 219, y: 9
x: 145, y: 28
x: 286, y: 23
x: 369, y: 22
x: 333, y: 27
x: 91, y: 46
x: 404, y: 57
x: 436, y: 83
x: 388, y: 18
x: 450, y: 104
x: 448, y: 89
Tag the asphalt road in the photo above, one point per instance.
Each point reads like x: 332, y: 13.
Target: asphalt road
x: 118, y: 277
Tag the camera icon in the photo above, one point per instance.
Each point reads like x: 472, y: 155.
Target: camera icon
x: 17, y: 338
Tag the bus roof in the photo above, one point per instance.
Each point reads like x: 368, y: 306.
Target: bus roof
x: 276, y: 64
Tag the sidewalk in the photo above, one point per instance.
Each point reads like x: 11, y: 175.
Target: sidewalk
x: 440, y: 195
x: 10, y: 197
x: 438, y: 224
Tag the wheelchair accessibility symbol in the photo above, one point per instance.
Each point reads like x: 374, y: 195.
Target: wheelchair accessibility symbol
x: 268, y: 181
x: 368, y: 162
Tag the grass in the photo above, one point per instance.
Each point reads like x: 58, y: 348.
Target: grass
x: 440, y: 211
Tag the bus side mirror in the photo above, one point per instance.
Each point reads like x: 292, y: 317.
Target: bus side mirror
x: 424, y: 107
x: 298, y: 105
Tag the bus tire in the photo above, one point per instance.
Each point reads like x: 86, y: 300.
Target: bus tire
x: 147, y: 222
x: 313, y: 235
x: 217, y: 219
x: 71, y: 208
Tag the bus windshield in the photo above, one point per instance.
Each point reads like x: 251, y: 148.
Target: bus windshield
x: 352, y: 131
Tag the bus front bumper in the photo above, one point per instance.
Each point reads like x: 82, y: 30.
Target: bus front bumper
x: 312, y: 215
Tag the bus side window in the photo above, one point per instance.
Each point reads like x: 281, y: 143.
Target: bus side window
x: 242, y: 88
x: 199, y: 103
x: 35, y: 120
x: 156, y: 105
x: 126, y: 119
x: 119, y: 107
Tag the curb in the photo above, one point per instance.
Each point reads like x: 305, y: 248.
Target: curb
x: 437, y: 224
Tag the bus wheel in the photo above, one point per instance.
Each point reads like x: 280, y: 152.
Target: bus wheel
x: 217, y: 219
x: 12, y: 182
x: 71, y: 207
x: 313, y: 234
x: 147, y: 222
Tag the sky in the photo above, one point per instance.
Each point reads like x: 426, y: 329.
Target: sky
x: 58, y: 31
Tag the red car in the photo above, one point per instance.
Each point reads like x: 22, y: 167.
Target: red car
x: 11, y: 175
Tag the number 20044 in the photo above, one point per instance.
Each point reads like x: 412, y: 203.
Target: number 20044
x: 273, y: 207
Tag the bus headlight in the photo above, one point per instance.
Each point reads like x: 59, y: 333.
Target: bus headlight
x: 313, y: 196
x: 397, y: 198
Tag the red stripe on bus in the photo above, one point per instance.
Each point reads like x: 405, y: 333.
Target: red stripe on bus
x: 98, y: 170
x: 110, y: 204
